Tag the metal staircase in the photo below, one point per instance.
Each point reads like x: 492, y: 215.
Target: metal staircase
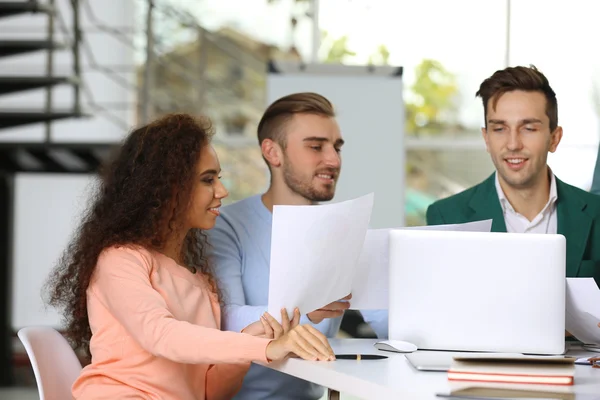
x: 39, y: 157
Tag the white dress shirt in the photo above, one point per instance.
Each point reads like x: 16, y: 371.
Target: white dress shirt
x: 544, y: 222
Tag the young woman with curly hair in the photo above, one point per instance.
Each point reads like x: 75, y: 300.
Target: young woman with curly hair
x: 137, y: 290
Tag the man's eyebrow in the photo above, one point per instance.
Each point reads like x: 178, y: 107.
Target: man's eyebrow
x: 523, y: 121
x: 315, y: 139
x: 531, y: 121
x: 339, y: 142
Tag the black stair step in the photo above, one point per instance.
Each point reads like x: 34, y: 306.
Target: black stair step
x: 12, y: 84
x: 13, y: 47
x: 9, y: 119
x: 9, y: 8
x: 53, y: 157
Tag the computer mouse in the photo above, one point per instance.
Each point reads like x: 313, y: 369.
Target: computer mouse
x: 397, y: 346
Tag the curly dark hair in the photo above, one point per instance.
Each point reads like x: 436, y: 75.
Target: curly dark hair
x: 142, y: 195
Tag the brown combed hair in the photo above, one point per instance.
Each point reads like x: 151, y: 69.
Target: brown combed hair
x: 527, y: 79
x: 272, y: 124
x: 143, y: 194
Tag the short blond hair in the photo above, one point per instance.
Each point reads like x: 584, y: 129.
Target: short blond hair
x: 273, y: 122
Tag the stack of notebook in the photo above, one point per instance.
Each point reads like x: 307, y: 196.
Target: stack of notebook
x: 506, y: 394
x: 544, y: 370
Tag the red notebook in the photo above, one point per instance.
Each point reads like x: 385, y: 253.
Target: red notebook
x: 513, y: 369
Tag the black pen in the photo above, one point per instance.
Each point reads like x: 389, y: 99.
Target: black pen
x: 359, y: 357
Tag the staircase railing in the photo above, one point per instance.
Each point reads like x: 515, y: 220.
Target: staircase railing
x: 150, y: 97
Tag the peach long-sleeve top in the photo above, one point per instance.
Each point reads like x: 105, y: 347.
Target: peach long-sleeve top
x: 155, y: 333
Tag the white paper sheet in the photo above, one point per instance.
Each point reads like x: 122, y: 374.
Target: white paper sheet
x: 370, y: 288
x: 314, y: 252
x: 476, y: 226
x: 583, y: 310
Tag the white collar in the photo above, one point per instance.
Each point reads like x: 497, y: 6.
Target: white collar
x: 553, y: 196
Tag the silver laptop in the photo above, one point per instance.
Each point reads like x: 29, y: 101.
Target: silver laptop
x: 474, y: 291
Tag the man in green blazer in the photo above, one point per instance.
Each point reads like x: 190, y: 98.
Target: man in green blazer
x: 523, y: 195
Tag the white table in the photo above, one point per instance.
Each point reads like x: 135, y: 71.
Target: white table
x: 395, y: 378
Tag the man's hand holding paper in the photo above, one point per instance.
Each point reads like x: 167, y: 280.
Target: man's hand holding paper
x: 331, y: 310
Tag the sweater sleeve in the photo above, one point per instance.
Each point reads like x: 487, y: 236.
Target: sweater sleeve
x: 223, y: 381
x: 121, y: 283
x: 226, y: 256
x: 378, y: 321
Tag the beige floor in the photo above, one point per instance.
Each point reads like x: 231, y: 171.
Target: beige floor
x: 18, y: 394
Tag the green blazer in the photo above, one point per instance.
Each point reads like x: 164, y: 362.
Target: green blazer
x: 578, y: 220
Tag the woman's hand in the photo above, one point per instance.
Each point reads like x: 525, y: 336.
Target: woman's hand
x: 273, y: 329
x: 303, y: 341
x: 269, y: 328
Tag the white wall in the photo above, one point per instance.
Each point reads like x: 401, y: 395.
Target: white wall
x: 46, y: 206
x: 47, y: 212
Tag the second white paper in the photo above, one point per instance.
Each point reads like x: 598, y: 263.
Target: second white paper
x: 370, y: 289
x: 583, y: 310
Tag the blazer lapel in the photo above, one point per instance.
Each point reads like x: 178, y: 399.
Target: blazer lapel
x: 486, y: 205
x: 573, y: 223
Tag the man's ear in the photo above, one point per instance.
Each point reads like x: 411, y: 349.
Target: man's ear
x: 555, y: 138
x: 272, y: 152
x: 485, y: 138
